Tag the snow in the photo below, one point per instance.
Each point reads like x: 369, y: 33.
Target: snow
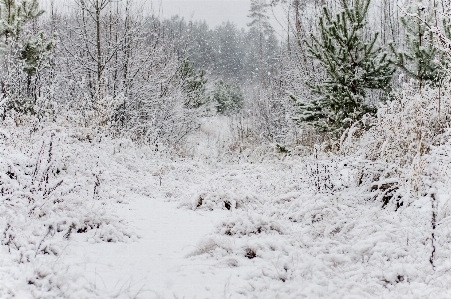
x: 254, y: 226
x: 156, y: 264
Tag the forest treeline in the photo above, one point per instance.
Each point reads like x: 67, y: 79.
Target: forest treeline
x: 110, y: 65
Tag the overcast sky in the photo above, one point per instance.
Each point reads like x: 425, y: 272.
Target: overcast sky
x: 214, y: 12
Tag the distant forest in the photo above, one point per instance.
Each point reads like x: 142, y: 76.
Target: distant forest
x: 225, y: 51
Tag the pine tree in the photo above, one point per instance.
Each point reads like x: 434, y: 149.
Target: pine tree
x: 352, y: 66
x: 22, y: 52
x: 194, y: 84
x: 422, y: 60
x: 259, y: 18
x: 261, y: 27
x: 229, y: 56
x: 14, y: 16
x: 228, y: 97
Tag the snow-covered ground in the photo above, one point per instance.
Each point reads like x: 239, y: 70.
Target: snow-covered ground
x: 127, y: 222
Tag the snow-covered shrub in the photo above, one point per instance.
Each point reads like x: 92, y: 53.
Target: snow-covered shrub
x: 391, y: 155
x: 248, y: 223
x: 30, y: 194
x: 38, y: 205
x: 54, y: 191
x: 320, y: 174
x: 222, y: 199
x: 405, y: 129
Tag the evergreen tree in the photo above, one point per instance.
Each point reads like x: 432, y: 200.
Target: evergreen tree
x: 259, y: 18
x: 261, y: 28
x: 194, y: 84
x: 421, y: 60
x: 200, y: 45
x: 34, y: 53
x: 228, y: 97
x: 352, y: 66
x: 230, y: 53
x: 14, y: 15
x: 22, y: 52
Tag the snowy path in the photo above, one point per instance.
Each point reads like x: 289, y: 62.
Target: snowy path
x: 155, y: 266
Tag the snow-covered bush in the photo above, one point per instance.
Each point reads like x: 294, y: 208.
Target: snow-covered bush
x: 223, y: 199
x: 392, y: 155
x: 38, y: 205
x: 48, y: 197
x: 405, y: 129
x: 248, y: 223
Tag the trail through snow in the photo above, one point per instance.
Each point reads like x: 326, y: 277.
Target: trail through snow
x: 155, y: 266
